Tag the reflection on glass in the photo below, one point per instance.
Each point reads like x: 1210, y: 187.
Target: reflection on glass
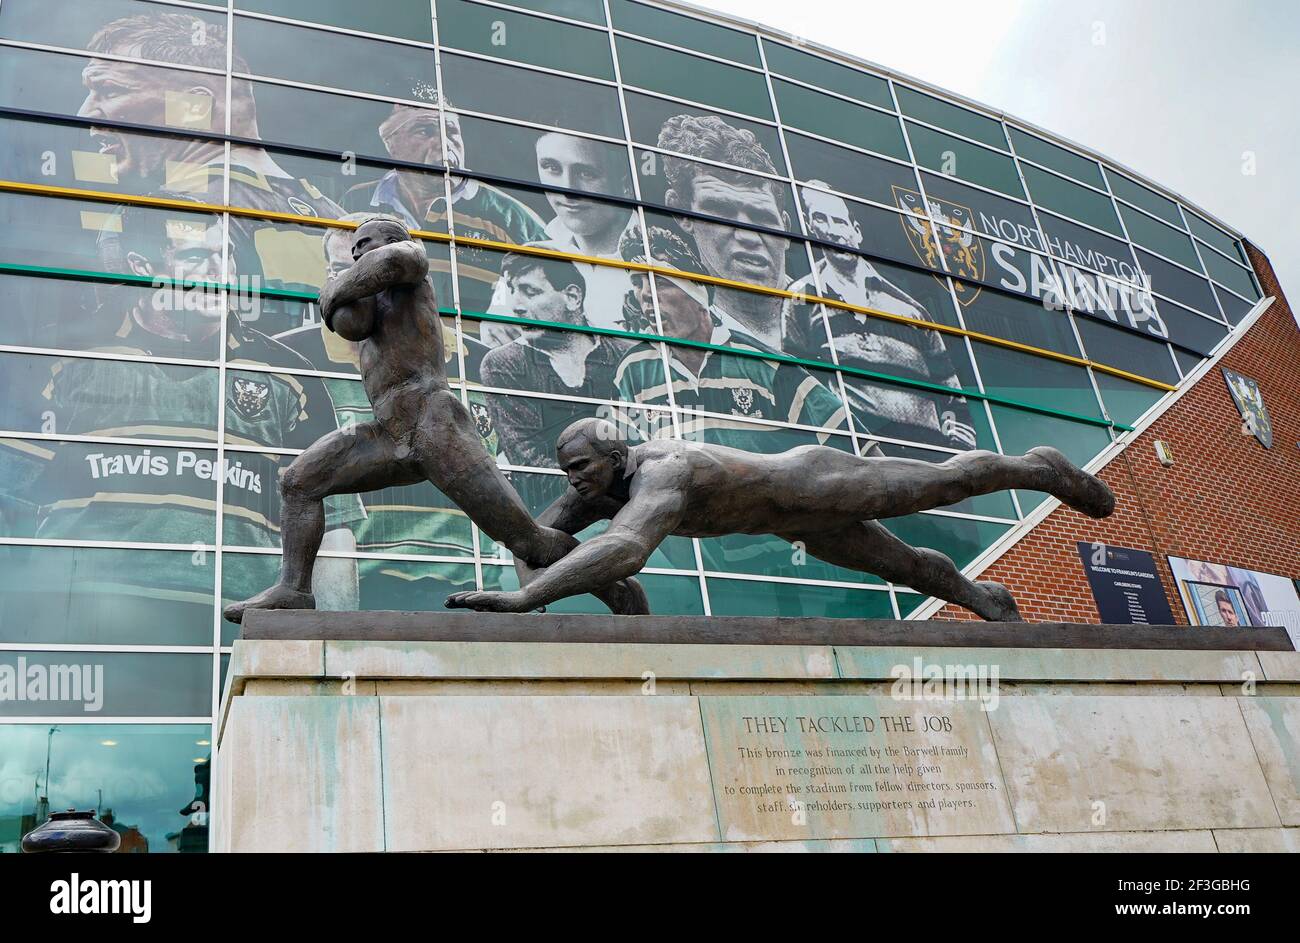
x: 321, y: 57
x: 493, y: 31
x: 148, y: 782
x: 752, y: 598
x: 94, y: 596
x: 104, y: 684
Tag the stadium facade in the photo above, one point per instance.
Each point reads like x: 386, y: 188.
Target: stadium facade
x: 688, y: 224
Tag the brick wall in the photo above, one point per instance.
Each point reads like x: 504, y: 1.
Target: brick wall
x: 1226, y: 499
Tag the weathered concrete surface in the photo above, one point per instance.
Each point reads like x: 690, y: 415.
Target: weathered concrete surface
x: 451, y: 745
x: 1079, y: 764
x: 513, y: 772
x: 300, y: 774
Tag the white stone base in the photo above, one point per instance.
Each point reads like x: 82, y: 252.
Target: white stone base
x: 439, y: 746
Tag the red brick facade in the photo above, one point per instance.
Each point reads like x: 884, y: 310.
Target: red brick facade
x: 1226, y: 499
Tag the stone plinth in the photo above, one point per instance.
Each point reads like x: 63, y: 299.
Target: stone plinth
x: 454, y: 733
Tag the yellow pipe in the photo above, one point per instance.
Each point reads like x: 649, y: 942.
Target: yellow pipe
x: 42, y: 189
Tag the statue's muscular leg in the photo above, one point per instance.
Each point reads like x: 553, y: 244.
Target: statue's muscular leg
x: 869, y: 548
x: 898, y: 486
x: 347, y: 461
x: 447, y: 448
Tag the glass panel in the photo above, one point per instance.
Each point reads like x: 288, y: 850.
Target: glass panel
x: 1229, y: 275
x: 896, y: 411
x: 1235, y: 308
x: 823, y: 73
x: 406, y: 19
x: 958, y: 158
x: 835, y: 118
x: 1026, y: 378
x: 292, y: 116
x: 1126, y: 401
x: 1178, y: 284
x: 1004, y: 220
x: 952, y: 117
x: 333, y: 59
x: 1190, y: 329
x: 1087, y: 206
x: 751, y: 598
x: 510, y: 92
x: 86, y: 491
x: 1117, y: 348
x: 736, y: 254
x: 109, y: 684
x: 589, y: 11
x: 754, y: 437
x: 84, y: 596
x: 1058, y: 158
x: 523, y: 429
x: 119, y: 91
x: 649, y: 118
x: 520, y: 153
x: 719, y: 192
x: 668, y: 595
x: 1088, y: 249
x: 846, y: 276
x: 848, y: 171
x: 73, y: 315
x: 150, y: 31
x: 527, y: 39
x: 124, y: 400
x: 399, y: 585
x: 1023, y: 321
x: 1186, y: 362
x: 145, y: 781
x: 1214, y: 236
x: 695, y: 79
x: 960, y: 538
x: 684, y: 31
x: 1173, y: 244
x: 1149, y: 200
x: 768, y: 555
x: 883, y: 234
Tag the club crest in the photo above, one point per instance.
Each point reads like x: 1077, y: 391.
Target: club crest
x: 1250, y: 403
x: 743, y: 397
x: 250, y: 397
x: 962, y: 251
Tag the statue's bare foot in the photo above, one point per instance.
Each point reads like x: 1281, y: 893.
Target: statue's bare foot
x: 488, y: 602
x: 278, y: 596
x: 1085, y: 493
x: 1001, y: 605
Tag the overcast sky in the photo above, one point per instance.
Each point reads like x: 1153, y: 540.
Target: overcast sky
x: 1185, y: 92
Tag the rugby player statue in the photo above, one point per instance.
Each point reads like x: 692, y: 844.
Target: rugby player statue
x: 421, y: 431
x: 824, y: 499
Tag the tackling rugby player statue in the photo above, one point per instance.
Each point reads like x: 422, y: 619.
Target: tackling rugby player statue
x: 421, y: 431
x: 826, y: 500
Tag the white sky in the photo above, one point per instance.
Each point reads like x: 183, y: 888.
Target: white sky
x: 1177, y: 90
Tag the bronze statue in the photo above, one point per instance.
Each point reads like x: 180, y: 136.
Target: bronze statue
x: 820, y: 497
x: 421, y: 430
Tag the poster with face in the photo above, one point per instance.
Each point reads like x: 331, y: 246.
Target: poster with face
x: 1255, y: 598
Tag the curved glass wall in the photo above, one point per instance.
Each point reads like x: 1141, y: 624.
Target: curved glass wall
x: 759, y: 244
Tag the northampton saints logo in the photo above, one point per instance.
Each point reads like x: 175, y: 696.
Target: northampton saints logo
x: 482, y: 419
x: 744, y: 398
x: 1250, y: 403
x: 250, y: 397
x: 963, y: 252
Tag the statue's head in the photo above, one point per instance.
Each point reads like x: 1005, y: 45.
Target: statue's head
x: 376, y: 232
x: 592, y: 455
